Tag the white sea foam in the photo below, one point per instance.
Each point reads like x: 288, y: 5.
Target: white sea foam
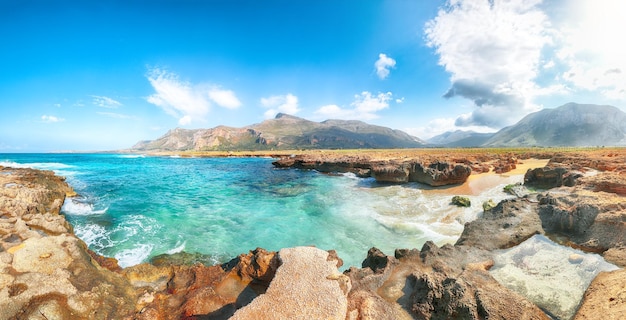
x: 132, y: 156
x: 178, y: 249
x: 134, y: 256
x: 58, y: 168
x: 76, y: 207
x: 94, y: 235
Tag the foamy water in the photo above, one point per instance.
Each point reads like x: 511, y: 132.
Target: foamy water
x: 133, y: 208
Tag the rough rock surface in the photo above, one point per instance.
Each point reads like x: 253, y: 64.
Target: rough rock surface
x: 510, y: 223
x: 605, y: 298
x: 45, y: 271
x: 592, y: 221
x: 450, y: 282
x: 439, y: 173
x: 547, y: 178
x: 306, y: 286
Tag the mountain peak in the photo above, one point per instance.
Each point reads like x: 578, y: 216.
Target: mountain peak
x: 281, y: 115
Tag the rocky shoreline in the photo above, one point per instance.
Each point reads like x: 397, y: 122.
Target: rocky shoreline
x: 48, y: 273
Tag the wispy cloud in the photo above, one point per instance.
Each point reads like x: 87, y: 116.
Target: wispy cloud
x: 383, y: 65
x: 364, y: 107
x: 116, y: 115
x: 106, y: 102
x: 186, y: 101
x: 224, y: 98
x: 287, y: 103
x: 51, y: 119
x: 492, y: 49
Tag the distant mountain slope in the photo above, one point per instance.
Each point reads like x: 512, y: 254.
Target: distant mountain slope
x: 460, y: 138
x: 568, y: 125
x: 283, y: 132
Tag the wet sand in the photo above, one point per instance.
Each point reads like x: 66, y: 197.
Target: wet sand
x: 478, y: 183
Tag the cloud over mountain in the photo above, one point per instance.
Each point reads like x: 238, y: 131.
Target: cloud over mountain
x: 492, y: 51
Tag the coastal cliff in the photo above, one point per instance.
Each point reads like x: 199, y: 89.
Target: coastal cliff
x: 48, y: 273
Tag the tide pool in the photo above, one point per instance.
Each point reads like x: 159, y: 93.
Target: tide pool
x: 134, y: 207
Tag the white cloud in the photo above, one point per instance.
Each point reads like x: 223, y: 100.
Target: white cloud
x: 441, y: 125
x: 591, y: 47
x: 492, y: 49
x: 364, y: 107
x: 224, y: 98
x: 185, y: 101
x: 105, y: 102
x: 51, y: 119
x: 58, y: 105
x: 280, y: 104
x: 383, y: 64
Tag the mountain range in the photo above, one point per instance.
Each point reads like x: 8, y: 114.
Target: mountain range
x: 284, y: 132
x: 569, y: 125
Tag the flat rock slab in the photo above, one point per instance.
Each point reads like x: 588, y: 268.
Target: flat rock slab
x: 306, y: 286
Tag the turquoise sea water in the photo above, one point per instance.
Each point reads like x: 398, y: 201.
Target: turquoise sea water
x: 135, y: 207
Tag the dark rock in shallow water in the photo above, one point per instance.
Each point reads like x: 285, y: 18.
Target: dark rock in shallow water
x: 461, y: 201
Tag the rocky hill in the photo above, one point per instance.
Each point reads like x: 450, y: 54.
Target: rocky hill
x: 569, y: 125
x: 283, y: 132
x: 460, y: 138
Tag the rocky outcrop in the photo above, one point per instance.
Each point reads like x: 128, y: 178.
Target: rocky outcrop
x: 439, y: 173
x: 593, y: 222
x: 450, y: 282
x: 510, y: 223
x: 436, y: 173
x: 318, y: 293
x: 547, y: 178
x: 45, y: 271
x: 605, y: 298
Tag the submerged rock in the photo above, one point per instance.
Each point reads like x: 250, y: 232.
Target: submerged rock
x: 552, y: 276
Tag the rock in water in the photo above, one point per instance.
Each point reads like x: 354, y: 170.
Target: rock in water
x: 488, y: 205
x: 461, y: 201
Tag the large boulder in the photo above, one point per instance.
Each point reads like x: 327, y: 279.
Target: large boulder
x: 547, y: 178
x: 439, y: 173
x: 391, y: 173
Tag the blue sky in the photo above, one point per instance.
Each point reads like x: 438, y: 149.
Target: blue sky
x: 102, y: 75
